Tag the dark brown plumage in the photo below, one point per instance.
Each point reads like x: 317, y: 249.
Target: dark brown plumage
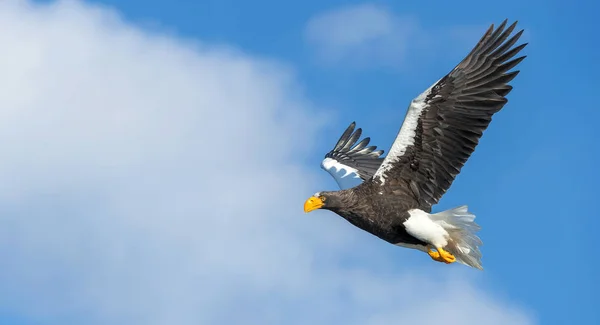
x: 440, y: 131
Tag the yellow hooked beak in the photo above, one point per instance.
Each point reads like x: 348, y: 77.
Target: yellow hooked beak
x: 312, y: 203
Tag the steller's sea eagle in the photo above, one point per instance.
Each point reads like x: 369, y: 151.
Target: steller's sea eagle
x: 393, y: 196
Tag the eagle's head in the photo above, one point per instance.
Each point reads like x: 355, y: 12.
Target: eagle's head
x: 323, y: 200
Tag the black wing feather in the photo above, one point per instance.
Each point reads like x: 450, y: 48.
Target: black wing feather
x: 458, y: 108
x: 365, y: 159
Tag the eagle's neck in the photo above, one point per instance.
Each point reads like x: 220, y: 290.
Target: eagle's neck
x: 356, y: 212
x: 347, y: 202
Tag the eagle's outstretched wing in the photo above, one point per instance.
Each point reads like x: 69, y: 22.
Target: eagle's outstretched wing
x: 443, y: 125
x: 350, y: 162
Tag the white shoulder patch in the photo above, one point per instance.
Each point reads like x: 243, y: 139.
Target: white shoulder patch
x: 345, y: 176
x: 406, y: 136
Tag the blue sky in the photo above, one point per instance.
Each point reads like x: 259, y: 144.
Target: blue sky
x: 126, y: 114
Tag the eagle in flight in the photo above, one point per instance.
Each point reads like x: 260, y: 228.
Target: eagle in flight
x: 392, y: 197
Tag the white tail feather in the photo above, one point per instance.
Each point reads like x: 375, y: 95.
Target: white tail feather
x: 463, y: 244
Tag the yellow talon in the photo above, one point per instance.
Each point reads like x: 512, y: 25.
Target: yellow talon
x: 441, y: 256
x: 434, y: 255
x: 446, y: 256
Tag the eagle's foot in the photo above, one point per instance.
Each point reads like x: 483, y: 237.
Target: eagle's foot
x: 446, y: 256
x: 434, y: 255
x: 441, y: 256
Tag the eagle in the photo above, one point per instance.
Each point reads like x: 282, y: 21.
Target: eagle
x: 392, y: 197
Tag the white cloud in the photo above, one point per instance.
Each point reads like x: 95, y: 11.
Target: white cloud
x: 147, y: 179
x: 371, y: 35
x: 363, y: 34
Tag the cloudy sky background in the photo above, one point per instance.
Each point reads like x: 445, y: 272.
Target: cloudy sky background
x: 157, y: 154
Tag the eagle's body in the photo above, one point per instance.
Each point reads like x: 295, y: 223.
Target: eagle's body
x: 385, y: 217
x: 441, y: 129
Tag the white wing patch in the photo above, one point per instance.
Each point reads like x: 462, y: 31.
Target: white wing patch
x: 406, y: 136
x: 345, y: 176
x: 420, y: 226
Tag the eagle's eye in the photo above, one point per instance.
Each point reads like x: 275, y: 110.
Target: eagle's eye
x: 322, y: 198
